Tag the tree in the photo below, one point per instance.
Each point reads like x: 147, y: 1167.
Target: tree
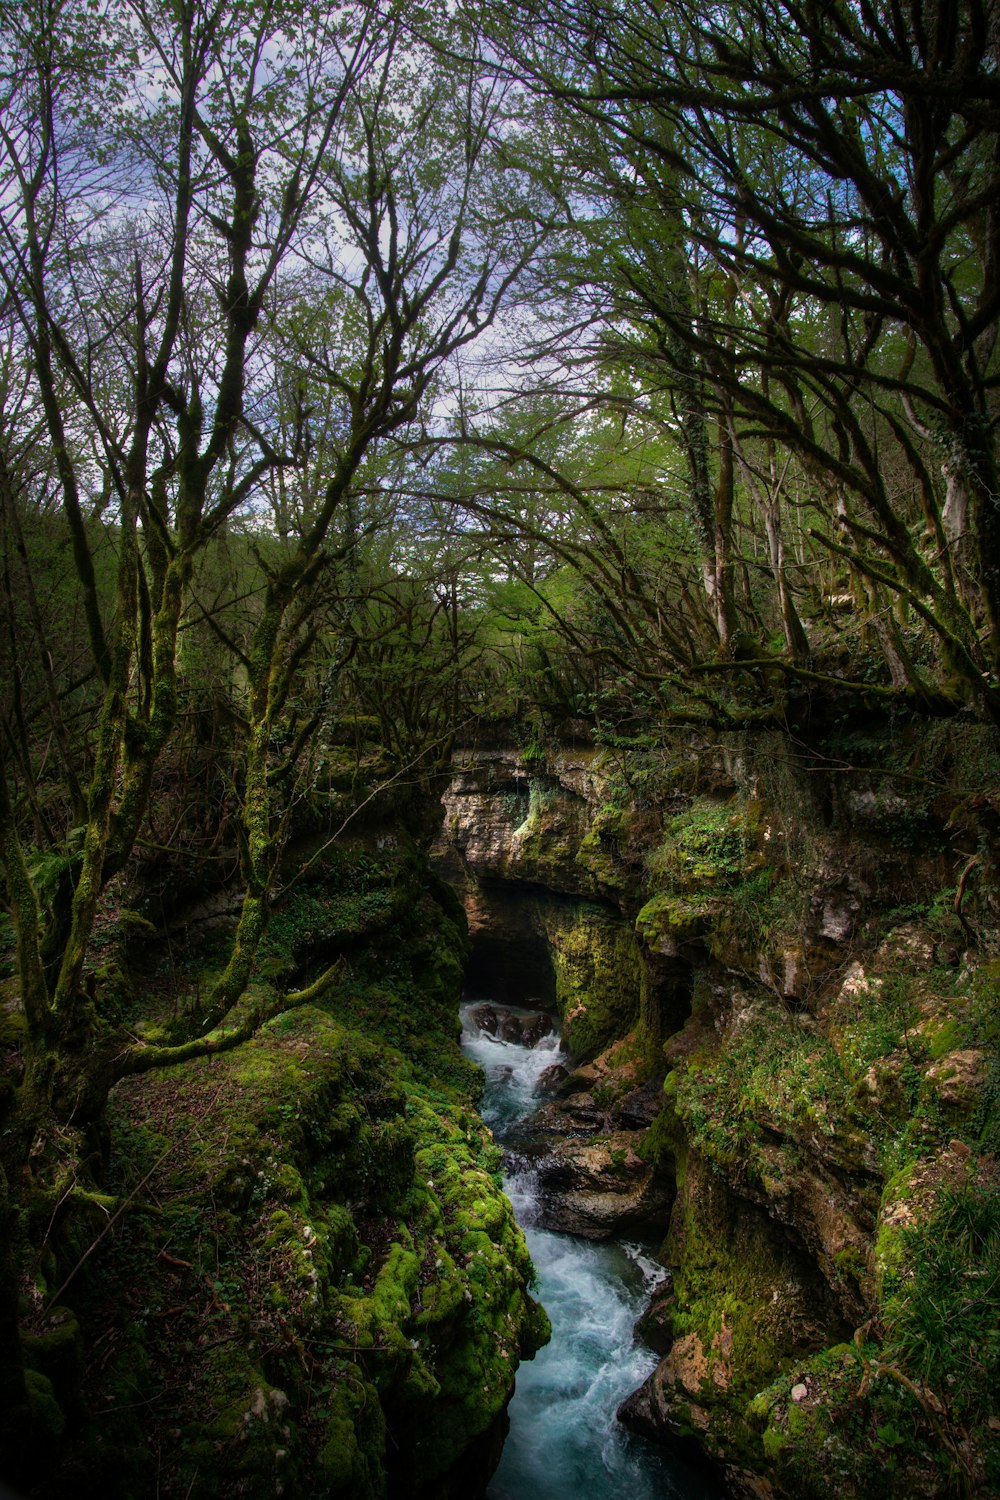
x: 236, y: 285
x: 801, y: 255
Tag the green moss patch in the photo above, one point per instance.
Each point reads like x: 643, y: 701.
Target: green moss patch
x: 319, y: 1252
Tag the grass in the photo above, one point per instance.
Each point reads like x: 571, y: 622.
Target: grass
x: 941, y: 1310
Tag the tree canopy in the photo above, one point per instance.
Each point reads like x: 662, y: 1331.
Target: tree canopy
x: 784, y: 261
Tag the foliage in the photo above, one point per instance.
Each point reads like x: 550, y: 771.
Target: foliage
x: 378, y: 375
x: 711, y: 844
x: 941, y: 1312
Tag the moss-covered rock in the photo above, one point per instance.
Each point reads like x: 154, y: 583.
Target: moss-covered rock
x: 746, y: 1301
x: 820, y: 966
x: 597, y: 975
x: 319, y: 1286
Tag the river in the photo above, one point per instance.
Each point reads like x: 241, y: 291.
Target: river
x: 565, y: 1442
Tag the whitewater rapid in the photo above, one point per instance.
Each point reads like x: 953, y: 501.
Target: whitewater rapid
x: 565, y: 1442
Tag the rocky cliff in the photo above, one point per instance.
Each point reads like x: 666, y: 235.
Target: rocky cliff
x: 791, y: 951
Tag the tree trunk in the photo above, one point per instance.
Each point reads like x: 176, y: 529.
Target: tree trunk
x: 12, y: 1388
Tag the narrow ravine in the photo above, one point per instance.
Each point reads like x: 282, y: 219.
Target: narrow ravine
x: 565, y: 1442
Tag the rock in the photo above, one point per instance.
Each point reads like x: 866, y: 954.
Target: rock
x: 655, y: 1327
x: 958, y: 1080
x: 838, y: 918
x: 553, y: 1078
x: 507, y: 817
x: 523, y: 1030
x: 638, y: 1414
x: 568, y: 1117
x: 885, y: 1087
x: 668, y: 1406
x: 509, y: 1028
x: 598, y: 1188
x: 915, y: 1194
x: 579, y: 1081
x: 485, y: 1017
x: 799, y: 1392
x: 909, y: 947
x: 641, y: 1107
x: 535, y: 1029
x: 795, y: 978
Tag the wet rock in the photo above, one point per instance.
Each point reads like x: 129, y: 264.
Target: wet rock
x: 568, y: 1117
x: 552, y: 1078
x: 485, y: 1018
x: 580, y: 1081
x: 521, y: 1029
x: 598, y: 1188
x: 682, y: 1428
x: 509, y: 1027
x: 664, y: 1408
x: 656, y: 1326
x: 641, y: 1107
x: 535, y: 1029
x: 639, y: 1414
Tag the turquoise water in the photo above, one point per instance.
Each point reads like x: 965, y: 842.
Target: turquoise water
x: 564, y: 1441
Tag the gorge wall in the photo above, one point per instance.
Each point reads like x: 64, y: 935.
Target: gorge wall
x: 777, y: 967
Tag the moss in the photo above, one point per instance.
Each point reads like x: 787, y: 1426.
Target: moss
x: 659, y: 1142
x: 56, y: 1351
x: 597, y: 975
x: 45, y: 1414
x: 349, y: 1461
x: 330, y: 1227
x: 854, y: 1433
x: 746, y: 1303
x: 710, y: 844
x: 608, y: 851
x: 669, y: 919
x: 785, y: 1115
x: 13, y: 1021
x: 766, y: 1073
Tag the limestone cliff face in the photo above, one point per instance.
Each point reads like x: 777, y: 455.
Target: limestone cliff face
x: 551, y: 889
x: 798, y: 944
x: 508, y: 817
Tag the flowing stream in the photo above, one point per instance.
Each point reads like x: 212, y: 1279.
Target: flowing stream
x: 564, y: 1441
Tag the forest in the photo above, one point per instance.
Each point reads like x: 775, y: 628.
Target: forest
x: 389, y: 386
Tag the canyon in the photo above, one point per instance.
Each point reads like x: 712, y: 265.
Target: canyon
x: 779, y: 998
x: 773, y: 966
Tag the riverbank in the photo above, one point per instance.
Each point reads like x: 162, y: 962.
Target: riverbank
x: 790, y: 951
x: 299, y: 1274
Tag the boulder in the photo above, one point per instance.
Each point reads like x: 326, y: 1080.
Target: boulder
x: 553, y: 1078
x: 598, y: 1188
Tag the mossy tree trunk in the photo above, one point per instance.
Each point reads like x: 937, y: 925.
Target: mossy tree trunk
x: 149, y: 380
